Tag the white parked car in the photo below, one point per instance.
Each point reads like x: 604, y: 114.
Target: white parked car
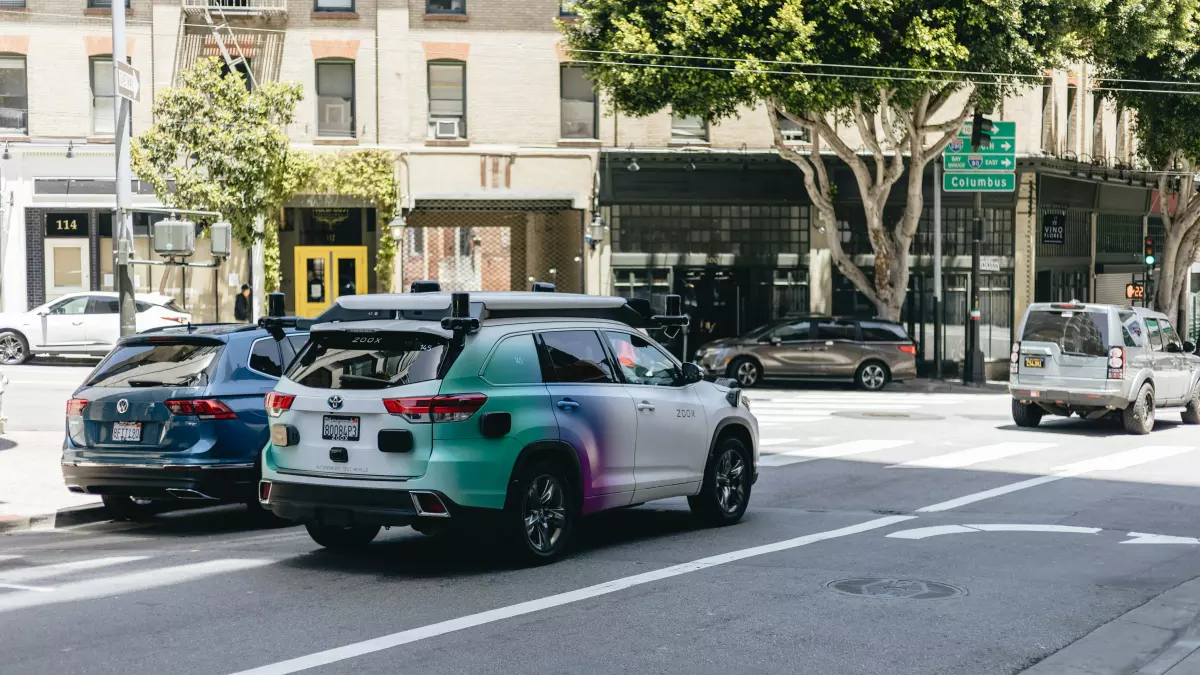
x: 79, y: 323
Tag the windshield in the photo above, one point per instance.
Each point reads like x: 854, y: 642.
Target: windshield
x: 1076, y: 332
x: 345, y: 360
x: 172, y: 364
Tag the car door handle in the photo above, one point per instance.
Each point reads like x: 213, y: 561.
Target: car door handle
x: 645, y: 406
x: 76, y: 323
x: 567, y: 404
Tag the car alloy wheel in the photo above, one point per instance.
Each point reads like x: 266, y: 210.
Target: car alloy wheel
x: 747, y: 374
x: 730, y: 475
x: 12, y: 351
x: 873, y: 376
x: 544, y: 513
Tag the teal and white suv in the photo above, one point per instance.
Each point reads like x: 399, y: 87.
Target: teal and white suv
x: 523, y: 410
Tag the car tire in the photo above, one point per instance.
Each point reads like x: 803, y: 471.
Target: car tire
x: 126, y: 507
x: 541, y: 514
x: 872, y: 376
x: 1138, y: 417
x: 746, y: 371
x: 338, y: 538
x: 725, y: 490
x: 14, y: 348
x: 1026, y: 414
x: 1192, y: 414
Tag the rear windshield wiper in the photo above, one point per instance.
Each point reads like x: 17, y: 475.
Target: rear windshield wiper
x: 364, y: 379
x: 1079, y: 353
x: 146, y: 383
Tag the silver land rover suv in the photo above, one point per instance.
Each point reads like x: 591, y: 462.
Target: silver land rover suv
x: 1100, y: 361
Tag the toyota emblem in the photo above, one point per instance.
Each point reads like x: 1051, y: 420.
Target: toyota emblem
x: 123, y: 406
x: 335, y: 402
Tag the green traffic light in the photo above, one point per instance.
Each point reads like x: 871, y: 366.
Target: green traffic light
x: 1149, y: 260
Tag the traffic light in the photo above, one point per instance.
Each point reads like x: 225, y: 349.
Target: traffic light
x: 1149, y: 252
x: 981, y: 132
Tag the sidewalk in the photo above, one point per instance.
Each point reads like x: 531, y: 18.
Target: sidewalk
x: 32, y: 494
x: 1162, y: 637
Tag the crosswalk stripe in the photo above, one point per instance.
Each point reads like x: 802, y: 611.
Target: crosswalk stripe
x: 8, y: 557
x: 828, y: 452
x: 127, y: 583
x: 777, y: 441
x: 972, y: 456
x: 48, y: 571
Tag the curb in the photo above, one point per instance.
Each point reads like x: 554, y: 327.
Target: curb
x: 1148, y: 640
x: 75, y: 515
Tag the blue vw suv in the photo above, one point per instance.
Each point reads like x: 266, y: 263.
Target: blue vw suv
x: 176, y: 414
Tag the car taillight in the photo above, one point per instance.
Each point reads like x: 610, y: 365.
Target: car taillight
x: 909, y: 349
x: 204, y: 408
x: 277, y: 403
x: 1116, y: 363
x: 1014, y: 357
x: 75, y: 407
x: 426, y: 409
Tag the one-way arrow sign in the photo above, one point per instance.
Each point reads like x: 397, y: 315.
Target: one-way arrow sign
x: 128, y: 81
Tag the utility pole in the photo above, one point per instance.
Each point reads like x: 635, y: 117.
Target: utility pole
x: 937, y: 270
x: 123, y: 221
x: 973, y: 368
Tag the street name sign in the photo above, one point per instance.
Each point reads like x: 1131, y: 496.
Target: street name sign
x: 979, y: 182
x: 128, y: 81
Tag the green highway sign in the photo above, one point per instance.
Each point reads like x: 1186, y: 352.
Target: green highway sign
x: 978, y: 162
x: 999, y: 130
x: 979, y: 182
x: 1000, y: 156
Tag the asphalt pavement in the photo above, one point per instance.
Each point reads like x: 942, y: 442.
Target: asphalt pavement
x: 905, y: 532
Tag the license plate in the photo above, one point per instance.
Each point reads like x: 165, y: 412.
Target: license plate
x: 1035, y: 362
x: 335, y: 428
x: 127, y: 431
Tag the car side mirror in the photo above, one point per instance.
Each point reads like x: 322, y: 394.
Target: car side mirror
x: 43, y: 312
x: 692, y: 373
x: 775, y: 340
x: 1173, y: 347
x: 1189, y: 346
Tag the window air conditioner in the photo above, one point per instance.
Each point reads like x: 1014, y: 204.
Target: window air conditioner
x: 446, y: 128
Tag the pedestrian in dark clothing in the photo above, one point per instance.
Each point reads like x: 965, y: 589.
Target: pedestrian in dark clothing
x: 241, y: 306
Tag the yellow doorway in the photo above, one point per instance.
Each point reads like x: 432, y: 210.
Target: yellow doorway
x: 325, y: 273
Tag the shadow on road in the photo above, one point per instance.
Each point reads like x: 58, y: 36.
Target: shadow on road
x: 1080, y: 427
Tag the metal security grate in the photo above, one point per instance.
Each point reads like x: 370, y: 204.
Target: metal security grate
x: 492, y: 250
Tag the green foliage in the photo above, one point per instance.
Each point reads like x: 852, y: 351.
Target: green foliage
x: 225, y: 147
x: 754, y: 39
x: 271, y: 255
x: 370, y: 175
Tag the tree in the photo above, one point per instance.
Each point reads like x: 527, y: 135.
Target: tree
x: 1138, y: 59
x: 898, y: 66
x: 225, y: 148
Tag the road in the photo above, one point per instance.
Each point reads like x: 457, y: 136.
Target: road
x: 1031, y: 539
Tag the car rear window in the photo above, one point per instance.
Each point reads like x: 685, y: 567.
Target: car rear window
x: 348, y: 360
x: 877, y: 331
x: 158, y: 364
x: 1076, y: 332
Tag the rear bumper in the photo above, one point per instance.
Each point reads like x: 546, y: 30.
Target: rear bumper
x: 1060, y: 398
x: 340, y: 505
x: 207, y: 482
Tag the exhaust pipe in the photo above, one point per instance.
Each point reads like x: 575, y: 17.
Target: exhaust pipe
x: 429, y: 504
x: 180, y: 493
x: 78, y: 489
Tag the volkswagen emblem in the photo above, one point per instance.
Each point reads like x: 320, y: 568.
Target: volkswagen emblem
x: 123, y: 406
x: 335, y: 402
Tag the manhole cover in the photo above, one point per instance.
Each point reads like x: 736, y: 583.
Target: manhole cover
x: 896, y: 589
x: 885, y: 415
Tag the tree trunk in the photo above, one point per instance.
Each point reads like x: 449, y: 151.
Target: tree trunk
x: 1181, y: 242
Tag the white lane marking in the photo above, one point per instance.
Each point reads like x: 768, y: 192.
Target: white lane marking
x: 926, y: 532
x: 829, y: 451
x: 8, y: 557
x: 777, y: 441
x: 127, y: 583
x: 22, y: 587
x: 47, y: 571
x: 1114, y: 462
x: 827, y: 407
x: 1143, y: 538
x: 972, y: 456
x: 433, y: 630
x: 1019, y: 527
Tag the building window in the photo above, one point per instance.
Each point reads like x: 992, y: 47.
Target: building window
x: 447, y: 99
x: 446, y: 7
x: 1098, y: 149
x: 416, y: 240
x: 14, y: 96
x: 1072, y: 115
x: 1048, y: 141
x: 565, y: 8
x: 579, y: 110
x: 243, y: 68
x: 688, y: 129
x: 104, y: 99
x: 335, y: 99
x: 333, y: 5
x: 463, y: 242
x: 98, y: 4
x: 792, y: 132
x: 12, y: 4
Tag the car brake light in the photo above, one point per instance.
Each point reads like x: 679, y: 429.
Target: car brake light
x: 1116, y: 363
x: 75, y: 407
x: 277, y: 403
x: 425, y: 409
x: 1067, y: 305
x: 909, y: 349
x: 204, y: 408
x: 1014, y: 357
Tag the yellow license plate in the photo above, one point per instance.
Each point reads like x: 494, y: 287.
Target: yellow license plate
x: 1035, y: 362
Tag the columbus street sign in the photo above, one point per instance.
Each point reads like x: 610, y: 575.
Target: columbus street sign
x: 979, y: 182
